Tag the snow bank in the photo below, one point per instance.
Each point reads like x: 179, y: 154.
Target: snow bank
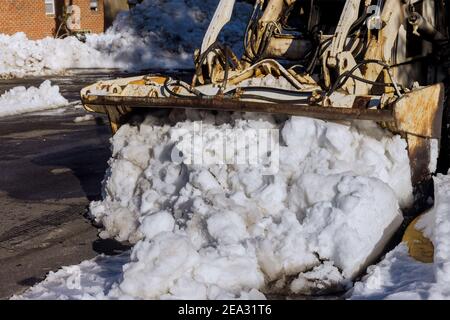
x: 23, y: 57
x: 399, y: 276
x: 21, y: 100
x: 164, y: 34
x: 229, y: 231
x: 156, y: 34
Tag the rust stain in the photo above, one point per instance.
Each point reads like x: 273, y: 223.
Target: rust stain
x: 141, y: 82
x: 420, y: 112
x: 361, y: 102
x: 227, y: 104
x: 157, y: 79
x: 419, y: 152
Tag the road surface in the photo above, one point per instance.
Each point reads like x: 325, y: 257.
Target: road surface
x: 51, y: 168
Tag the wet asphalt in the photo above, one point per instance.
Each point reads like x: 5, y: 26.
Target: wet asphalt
x: 50, y: 170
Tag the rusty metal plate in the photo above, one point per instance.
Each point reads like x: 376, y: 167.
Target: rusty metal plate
x: 226, y: 104
x: 419, y: 112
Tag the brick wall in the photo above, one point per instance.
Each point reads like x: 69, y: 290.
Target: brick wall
x: 91, y: 20
x: 29, y: 16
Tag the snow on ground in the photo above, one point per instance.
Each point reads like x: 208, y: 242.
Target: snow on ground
x: 230, y: 230
x: 398, y: 276
x: 22, y: 100
x: 156, y: 34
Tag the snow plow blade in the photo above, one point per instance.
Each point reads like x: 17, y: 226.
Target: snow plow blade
x: 416, y: 116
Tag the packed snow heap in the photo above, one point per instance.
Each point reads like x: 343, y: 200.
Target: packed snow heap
x: 20, y: 100
x: 219, y: 230
x: 155, y: 34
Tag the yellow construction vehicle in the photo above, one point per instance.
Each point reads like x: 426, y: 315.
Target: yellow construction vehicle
x: 377, y: 60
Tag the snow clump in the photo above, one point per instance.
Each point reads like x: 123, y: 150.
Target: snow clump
x: 22, y: 100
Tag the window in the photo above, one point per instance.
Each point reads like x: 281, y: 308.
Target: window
x: 49, y: 7
x: 94, y: 5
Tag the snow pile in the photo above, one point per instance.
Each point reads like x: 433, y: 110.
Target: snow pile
x: 156, y: 34
x: 164, y: 34
x: 229, y: 231
x: 399, y: 276
x: 23, y: 57
x: 21, y: 100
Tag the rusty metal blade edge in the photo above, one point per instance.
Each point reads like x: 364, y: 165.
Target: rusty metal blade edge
x: 227, y: 104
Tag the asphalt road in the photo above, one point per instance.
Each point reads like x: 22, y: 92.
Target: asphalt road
x: 50, y: 170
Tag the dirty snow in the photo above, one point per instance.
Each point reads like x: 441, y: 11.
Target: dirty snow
x: 84, y: 118
x: 156, y: 34
x: 230, y: 231
x: 22, y: 100
x: 398, y: 276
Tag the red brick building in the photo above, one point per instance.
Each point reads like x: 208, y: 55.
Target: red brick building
x: 41, y: 18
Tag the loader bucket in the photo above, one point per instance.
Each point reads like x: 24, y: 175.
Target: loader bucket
x: 417, y: 115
